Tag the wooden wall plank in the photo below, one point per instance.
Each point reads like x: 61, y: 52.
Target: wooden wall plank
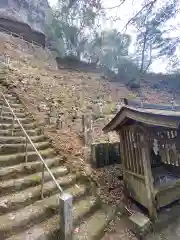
x: 123, y: 137
x: 133, y: 150
x: 148, y: 178
x: 129, y: 152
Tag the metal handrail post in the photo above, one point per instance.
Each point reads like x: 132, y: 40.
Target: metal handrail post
x: 26, y: 151
x: 2, y: 109
x: 42, y: 182
x: 13, y: 123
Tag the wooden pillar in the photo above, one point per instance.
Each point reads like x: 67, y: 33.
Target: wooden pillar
x: 123, y: 159
x: 59, y: 122
x: 86, y: 153
x: 66, y: 216
x: 148, y: 177
x: 86, y: 135
x: 83, y: 123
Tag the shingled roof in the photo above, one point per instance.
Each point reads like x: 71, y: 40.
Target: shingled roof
x: 150, y: 114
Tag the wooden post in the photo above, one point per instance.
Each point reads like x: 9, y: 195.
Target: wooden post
x: 59, y: 122
x: 7, y: 60
x: 101, y: 108
x: 173, y: 103
x: 86, y: 135
x: 148, y: 177
x: 123, y: 157
x: 92, y: 131
x: 66, y: 216
x: 86, y: 153
x: 53, y: 114
x: 83, y: 124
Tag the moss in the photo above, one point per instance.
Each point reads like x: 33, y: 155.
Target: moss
x: 36, y: 178
x: 132, y: 96
x: 109, y: 108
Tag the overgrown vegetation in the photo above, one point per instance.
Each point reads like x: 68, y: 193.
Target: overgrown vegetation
x: 77, y: 31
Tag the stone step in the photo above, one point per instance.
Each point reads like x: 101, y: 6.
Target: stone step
x: 9, y: 119
x: 16, y: 110
x: 26, y: 126
x: 30, y: 195
x: 19, y: 184
x: 23, y: 169
x: 18, y: 114
x: 21, y: 147
x: 14, y: 105
x: 18, y: 132
x: 13, y: 159
x: 14, y: 139
x: 10, y: 96
x: 93, y: 228
x: 44, y: 213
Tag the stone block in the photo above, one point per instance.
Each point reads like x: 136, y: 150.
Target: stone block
x: 140, y: 224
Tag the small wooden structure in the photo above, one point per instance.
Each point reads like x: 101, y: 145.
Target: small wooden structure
x: 150, y: 154
x: 105, y: 154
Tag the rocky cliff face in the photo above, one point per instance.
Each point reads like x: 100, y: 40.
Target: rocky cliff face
x: 32, y: 12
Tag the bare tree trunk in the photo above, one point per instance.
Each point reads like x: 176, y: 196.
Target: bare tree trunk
x: 150, y: 58
x: 143, y: 51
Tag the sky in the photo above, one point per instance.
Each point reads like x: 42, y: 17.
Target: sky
x: 52, y: 2
x: 125, y: 12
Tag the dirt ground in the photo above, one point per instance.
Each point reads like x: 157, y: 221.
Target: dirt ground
x: 170, y: 232
x: 121, y: 231
x: 39, y: 84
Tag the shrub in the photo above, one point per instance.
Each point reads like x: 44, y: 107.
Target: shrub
x: 156, y: 86
x: 133, y: 85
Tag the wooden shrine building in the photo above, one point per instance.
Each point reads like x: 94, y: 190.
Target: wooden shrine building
x: 150, y: 152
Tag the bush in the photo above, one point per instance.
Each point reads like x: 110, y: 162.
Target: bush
x: 156, y: 86
x: 133, y: 85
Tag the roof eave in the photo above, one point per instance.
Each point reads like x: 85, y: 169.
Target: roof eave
x: 147, y: 118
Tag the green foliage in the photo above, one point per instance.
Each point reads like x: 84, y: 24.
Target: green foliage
x: 108, y: 49
x: 73, y: 32
x: 150, y: 41
x: 68, y: 38
x: 36, y: 179
x: 70, y: 21
x: 133, y: 84
x: 132, y: 96
x: 127, y: 69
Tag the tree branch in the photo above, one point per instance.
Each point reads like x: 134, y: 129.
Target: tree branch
x: 110, y: 8
x: 150, y: 5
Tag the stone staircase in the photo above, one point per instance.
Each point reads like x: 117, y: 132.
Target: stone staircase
x: 23, y: 214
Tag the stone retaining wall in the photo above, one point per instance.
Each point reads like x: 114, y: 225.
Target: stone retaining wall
x: 22, y: 29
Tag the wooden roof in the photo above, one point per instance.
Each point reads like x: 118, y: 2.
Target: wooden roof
x: 160, y: 115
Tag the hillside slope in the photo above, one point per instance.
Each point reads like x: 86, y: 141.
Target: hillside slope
x: 34, y: 76
x: 34, y: 73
